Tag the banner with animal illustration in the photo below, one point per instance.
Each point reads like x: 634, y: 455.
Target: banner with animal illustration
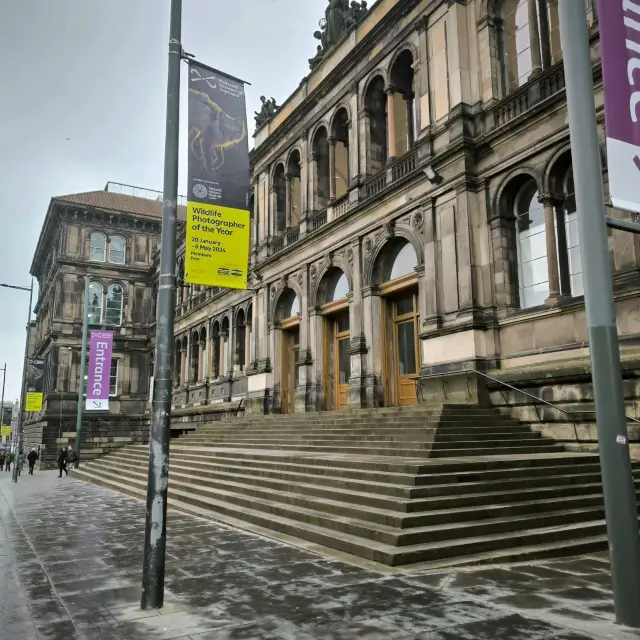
x: 218, y: 220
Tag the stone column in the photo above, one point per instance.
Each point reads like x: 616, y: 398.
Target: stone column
x: 430, y: 315
x: 534, y: 37
x: 317, y: 344
x: 313, y: 182
x: 273, y: 207
x: 304, y: 399
x: 563, y: 251
x: 332, y: 168
x: 467, y: 284
x: 200, y: 360
x: 458, y: 42
x: 373, y: 319
x: 287, y: 200
x: 365, y: 142
x: 411, y: 135
x: 552, y: 252
x: 422, y: 78
x: 545, y: 37
x: 356, y: 394
x: 187, y: 370
x: 255, y: 310
x: 391, y: 123
x: 354, y: 150
x: 255, y: 221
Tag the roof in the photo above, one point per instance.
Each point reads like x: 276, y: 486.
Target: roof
x: 119, y: 203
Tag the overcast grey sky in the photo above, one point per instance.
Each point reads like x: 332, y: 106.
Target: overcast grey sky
x: 82, y: 102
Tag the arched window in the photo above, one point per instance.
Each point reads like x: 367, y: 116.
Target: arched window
x: 96, y: 293
x: 573, y: 237
x: 402, y: 104
x: 98, y: 247
x: 376, y: 125
x: 116, y: 249
x: 115, y: 300
x: 404, y: 263
x: 288, y: 305
x: 339, y: 153
x: 530, y: 40
x: 280, y: 187
x: 295, y: 204
x: 321, y: 169
x: 533, y: 275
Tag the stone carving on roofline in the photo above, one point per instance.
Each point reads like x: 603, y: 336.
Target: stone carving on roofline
x: 340, y: 17
x: 267, y: 111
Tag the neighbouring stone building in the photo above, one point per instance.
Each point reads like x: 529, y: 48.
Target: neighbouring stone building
x: 111, y: 237
x: 412, y: 215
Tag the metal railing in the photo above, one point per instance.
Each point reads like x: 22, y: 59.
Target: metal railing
x: 536, y: 400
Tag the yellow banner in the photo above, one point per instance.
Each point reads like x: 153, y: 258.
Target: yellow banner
x: 33, y: 401
x: 5, y: 431
x: 217, y: 251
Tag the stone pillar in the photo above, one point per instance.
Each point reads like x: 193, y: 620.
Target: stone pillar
x: 273, y: 208
x: 467, y: 284
x: 187, y: 369
x: 552, y: 252
x: 411, y: 134
x: 365, y: 142
x: 201, y: 351
x: 356, y: 393
x: 545, y: 37
x: 287, y: 200
x: 313, y: 182
x: 316, y: 344
x: 423, y: 110
x: 255, y: 310
x: 304, y: 179
x: 373, y: 319
x: 534, y: 38
x: 430, y: 316
x: 224, y: 339
x: 304, y: 393
x: 255, y: 221
x: 458, y: 64
x: 332, y: 168
x: 391, y: 123
x: 563, y: 251
x: 354, y: 147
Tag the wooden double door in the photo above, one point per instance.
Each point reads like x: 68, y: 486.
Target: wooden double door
x: 403, y: 363
x: 337, y: 360
x: 290, y: 373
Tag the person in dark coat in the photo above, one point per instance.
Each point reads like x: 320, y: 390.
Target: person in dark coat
x: 62, y: 462
x: 72, y: 458
x: 32, y: 457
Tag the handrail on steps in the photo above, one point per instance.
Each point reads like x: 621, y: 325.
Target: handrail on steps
x: 536, y: 399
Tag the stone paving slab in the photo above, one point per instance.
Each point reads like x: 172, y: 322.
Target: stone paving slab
x: 70, y: 565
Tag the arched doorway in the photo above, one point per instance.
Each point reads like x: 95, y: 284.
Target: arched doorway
x: 395, y: 271
x: 334, y: 308
x: 287, y: 315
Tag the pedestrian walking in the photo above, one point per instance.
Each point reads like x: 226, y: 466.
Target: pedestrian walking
x: 1, y: 460
x: 72, y: 458
x: 32, y: 457
x: 62, y: 462
x: 8, y: 460
x: 20, y: 461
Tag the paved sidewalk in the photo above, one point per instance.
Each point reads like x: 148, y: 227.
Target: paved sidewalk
x: 70, y: 557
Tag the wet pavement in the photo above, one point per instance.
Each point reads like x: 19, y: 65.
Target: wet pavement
x: 70, y: 564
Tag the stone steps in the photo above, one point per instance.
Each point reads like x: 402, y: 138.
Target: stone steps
x: 388, y: 486
x: 569, y: 533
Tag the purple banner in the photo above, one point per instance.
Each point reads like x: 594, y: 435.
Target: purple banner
x: 620, y: 47
x: 99, y: 371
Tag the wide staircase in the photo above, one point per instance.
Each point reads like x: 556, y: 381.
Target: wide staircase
x: 435, y: 486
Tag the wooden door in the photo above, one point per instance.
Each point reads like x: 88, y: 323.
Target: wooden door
x: 290, y: 355
x: 405, y: 330
x: 342, y: 359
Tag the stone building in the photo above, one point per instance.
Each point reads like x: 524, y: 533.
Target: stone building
x: 413, y: 214
x: 110, y: 236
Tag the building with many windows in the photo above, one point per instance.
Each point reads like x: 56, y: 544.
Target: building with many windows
x: 413, y: 215
x: 110, y: 237
x: 413, y: 228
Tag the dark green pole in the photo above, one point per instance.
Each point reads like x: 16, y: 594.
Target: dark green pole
x: 83, y: 365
